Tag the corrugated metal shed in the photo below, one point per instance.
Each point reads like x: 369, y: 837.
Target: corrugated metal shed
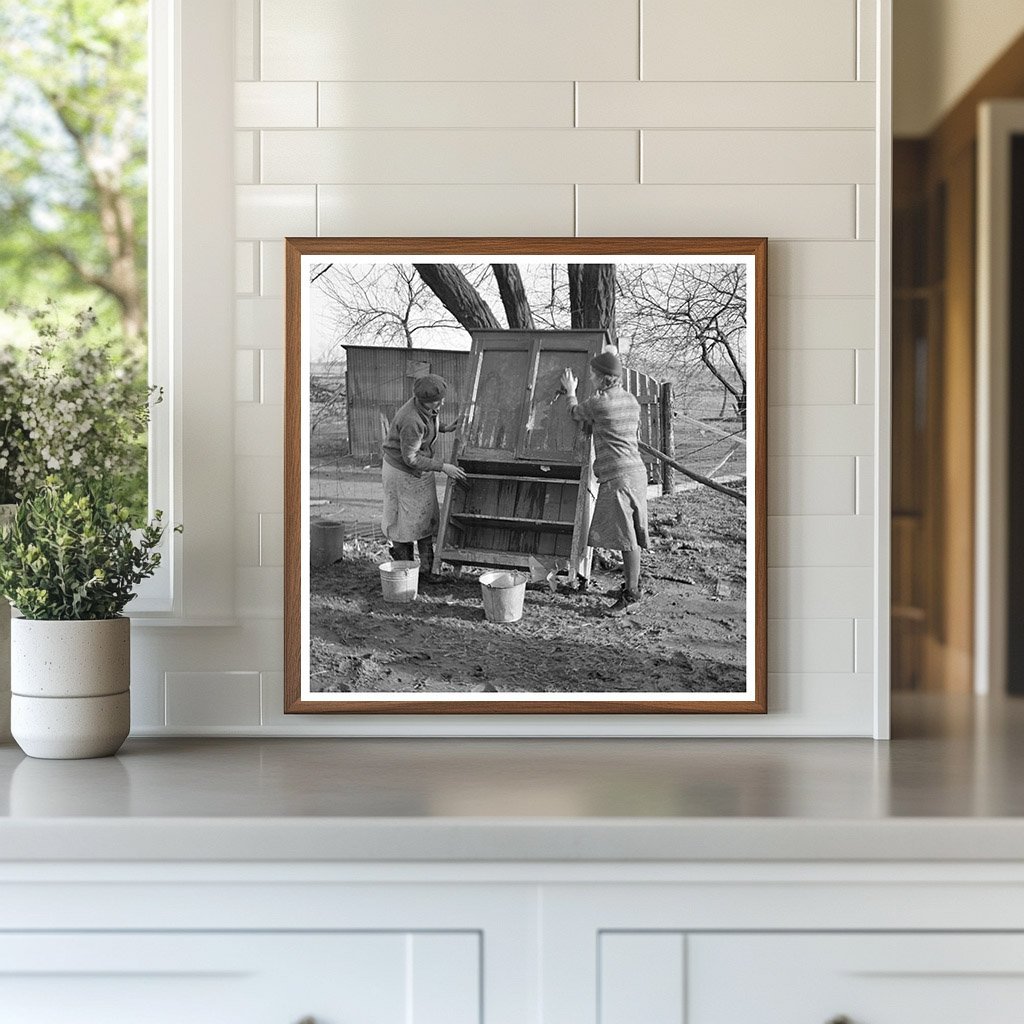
x: 379, y: 380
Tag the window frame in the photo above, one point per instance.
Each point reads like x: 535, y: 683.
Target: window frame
x: 191, y: 301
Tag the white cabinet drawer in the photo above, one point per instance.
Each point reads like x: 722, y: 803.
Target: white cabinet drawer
x: 241, y: 978
x: 867, y: 978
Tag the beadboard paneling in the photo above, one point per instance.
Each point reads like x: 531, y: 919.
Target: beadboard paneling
x: 775, y: 211
x: 328, y: 156
x: 447, y: 105
x: 726, y: 105
x: 743, y: 41
x: 447, y: 209
x: 448, y: 40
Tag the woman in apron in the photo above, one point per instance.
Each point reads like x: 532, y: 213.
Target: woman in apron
x: 410, y: 493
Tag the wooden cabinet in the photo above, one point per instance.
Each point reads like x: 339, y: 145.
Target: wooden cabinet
x: 529, y: 490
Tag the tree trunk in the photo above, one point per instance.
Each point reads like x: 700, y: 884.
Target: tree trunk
x: 513, y: 296
x: 592, y: 296
x: 576, y: 295
x: 457, y: 295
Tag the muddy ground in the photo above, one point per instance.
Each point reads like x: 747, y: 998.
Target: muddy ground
x: 687, y: 635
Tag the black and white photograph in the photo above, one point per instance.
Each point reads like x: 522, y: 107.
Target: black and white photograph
x: 525, y: 479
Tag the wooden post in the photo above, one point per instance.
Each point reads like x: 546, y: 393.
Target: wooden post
x: 668, y: 439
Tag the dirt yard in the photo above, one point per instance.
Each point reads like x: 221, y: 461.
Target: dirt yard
x: 688, y: 633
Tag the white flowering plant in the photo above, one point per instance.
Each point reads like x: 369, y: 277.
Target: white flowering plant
x: 71, y: 554
x: 75, y: 408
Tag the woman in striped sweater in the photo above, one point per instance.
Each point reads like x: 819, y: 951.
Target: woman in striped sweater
x: 620, y: 514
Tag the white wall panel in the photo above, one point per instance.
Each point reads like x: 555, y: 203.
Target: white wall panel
x: 275, y: 104
x: 446, y: 209
x: 811, y: 377
x: 823, y: 268
x: 866, y: 211
x: 864, y: 645
x: 245, y: 268
x: 448, y: 40
x: 259, y: 485
x: 456, y: 118
x: 246, y: 171
x: 809, y: 322
x: 865, y: 485
x: 247, y: 363
x: 247, y: 539
x: 271, y: 539
x: 271, y: 269
x: 206, y: 699
x: 259, y: 430
x: 271, y: 390
x: 865, y: 376
x: 246, y: 46
x: 735, y: 40
x: 259, y: 323
x: 446, y: 105
x: 774, y: 211
x: 273, y: 211
x: 726, y: 105
x: 811, y: 645
x: 828, y: 592
x: 831, y: 704
x: 821, y: 430
x: 445, y: 157
x: 820, y: 540
x: 758, y: 157
x: 260, y: 591
x: 811, y: 486
x: 867, y: 26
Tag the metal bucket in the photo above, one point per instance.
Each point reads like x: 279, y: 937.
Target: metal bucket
x: 503, y: 594
x: 399, y: 581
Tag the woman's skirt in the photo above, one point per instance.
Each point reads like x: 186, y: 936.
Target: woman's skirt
x: 410, y: 505
x: 620, y: 513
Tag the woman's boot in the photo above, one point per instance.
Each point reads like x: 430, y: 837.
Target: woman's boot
x: 401, y: 551
x: 426, y: 550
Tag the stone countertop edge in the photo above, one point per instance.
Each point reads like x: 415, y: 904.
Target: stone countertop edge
x: 527, y: 840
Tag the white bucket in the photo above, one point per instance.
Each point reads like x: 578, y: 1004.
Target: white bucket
x: 503, y: 594
x: 399, y: 581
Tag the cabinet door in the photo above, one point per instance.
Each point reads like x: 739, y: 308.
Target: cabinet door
x: 242, y: 978
x: 863, y: 978
x: 503, y: 374
x: 551, y: 435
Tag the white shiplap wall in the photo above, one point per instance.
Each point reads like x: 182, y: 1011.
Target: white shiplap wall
x: 558, y: 117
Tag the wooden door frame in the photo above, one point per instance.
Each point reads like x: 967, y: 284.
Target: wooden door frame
x: 998, y: 122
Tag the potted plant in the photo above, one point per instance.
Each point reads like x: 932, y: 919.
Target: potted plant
x: 71, y: 404
x: 69, y: 563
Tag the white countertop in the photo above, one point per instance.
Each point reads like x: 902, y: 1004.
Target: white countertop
x: 948, y: 787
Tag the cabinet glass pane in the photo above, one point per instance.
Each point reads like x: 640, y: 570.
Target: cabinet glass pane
x: 495, y: 427
x: 550, y: 431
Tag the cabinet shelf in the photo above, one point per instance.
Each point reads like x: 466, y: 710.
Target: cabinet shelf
x: 512, y: 522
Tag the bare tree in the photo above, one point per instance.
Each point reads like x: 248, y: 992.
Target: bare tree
x: 377, y: 303
x: 689, y: 315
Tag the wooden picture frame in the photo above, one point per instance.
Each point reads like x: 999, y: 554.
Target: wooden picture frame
x: 695, y: 642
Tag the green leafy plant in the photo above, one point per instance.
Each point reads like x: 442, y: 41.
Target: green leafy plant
x: 72, y: 554
x: 75, y: 407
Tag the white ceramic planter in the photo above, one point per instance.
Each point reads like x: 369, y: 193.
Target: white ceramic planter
x: 6, y: 516
x: 69, y: 683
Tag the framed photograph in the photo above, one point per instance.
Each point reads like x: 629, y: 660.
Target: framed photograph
x: 525, y: 475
